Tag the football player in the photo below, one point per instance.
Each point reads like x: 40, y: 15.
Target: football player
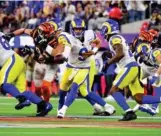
x: 12, y: 78
x: 129, y: 75
x: 80, y: 69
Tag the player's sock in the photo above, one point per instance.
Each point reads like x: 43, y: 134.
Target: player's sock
x: 46, y: 93
x: 62, y: 95
x: 96, y: 98
x: 149, y: 99
x: 10, y: 89
x: 32, y: 97
x: 157, y: 92
x: 89, y: 100
x: 119, y: 98
x: 71, y: 95
x: 95, y: 87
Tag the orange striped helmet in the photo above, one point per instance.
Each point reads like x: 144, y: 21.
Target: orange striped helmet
x: 145, y: 36
x: 46, y: 29
x: 154, y: 34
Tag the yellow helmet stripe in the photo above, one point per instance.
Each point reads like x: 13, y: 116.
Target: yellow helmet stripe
x: 83, y: 23
x: 54, y: 24
x: 73, y: 24
x: 108, y: 26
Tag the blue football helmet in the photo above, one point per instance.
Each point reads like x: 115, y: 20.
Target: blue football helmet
x: 109, y: 27
x: 77, y: 27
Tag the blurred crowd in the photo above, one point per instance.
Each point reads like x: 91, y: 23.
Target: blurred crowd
x: 16, y: 14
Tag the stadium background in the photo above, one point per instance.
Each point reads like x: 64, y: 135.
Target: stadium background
x: 132, y: 16
x: 29, y: 14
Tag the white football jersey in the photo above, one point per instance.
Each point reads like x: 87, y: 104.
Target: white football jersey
x: 77, y: 47
x: 5, y: 50
x: 151, y: 65
x: 99, y: 61
x: 128, y: 56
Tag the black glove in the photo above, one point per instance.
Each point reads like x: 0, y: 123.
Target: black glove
x: 41, y: 43
x: 106, y: 55
x: 105, y: 67
x: 26, y: 51
x: 8, y: 36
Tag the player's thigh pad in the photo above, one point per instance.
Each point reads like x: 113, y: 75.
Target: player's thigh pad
x: 21, y: 81
x: 85, y: 87
x: 81, y: 76
x: 125, y: 77
x: 66, y: 79
x: 92, y: 72
x: 12, y: 69
x: 29, y: 74
x: 136, y: 87
x: 50, y: 72
x: 38, y: 74
x: 39, y: 71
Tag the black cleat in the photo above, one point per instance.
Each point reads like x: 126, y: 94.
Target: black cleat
x: 48, y: 107
x: 21, y: 105
x: 130, y: 115
x: 96, y: 113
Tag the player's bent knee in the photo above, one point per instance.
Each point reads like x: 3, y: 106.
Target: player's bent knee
x: 113, y: 90
x: 138, y: 98
x: 64, y: 87
x: 84, y: 94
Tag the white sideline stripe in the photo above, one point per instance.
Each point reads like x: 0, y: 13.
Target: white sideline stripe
x: 82, y: 99
x: 87, y: 117
x: 110, y: 117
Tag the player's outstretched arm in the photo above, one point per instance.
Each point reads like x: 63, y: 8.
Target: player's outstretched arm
x: 22, y: 31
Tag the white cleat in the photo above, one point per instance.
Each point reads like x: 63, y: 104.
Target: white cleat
x: 157, y: 110
x: 110, y: 109
x: 146, y: 108
x: 60, y: 114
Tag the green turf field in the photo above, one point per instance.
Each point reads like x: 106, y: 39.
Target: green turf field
x: 15, y: 123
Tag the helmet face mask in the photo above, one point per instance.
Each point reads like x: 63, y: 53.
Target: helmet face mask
x: 78, y: 32
x: 77, y: 28
x: 155, y: 39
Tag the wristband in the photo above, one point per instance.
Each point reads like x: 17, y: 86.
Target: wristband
x: 49, y: 49
x: 95, y: 49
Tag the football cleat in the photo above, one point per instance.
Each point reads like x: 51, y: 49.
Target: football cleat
x: 21, y: 105
x: 61, y: 114
x: 48, y: 107
x: 128, y: 116
x: 109, y: 110
x: 146, y: 108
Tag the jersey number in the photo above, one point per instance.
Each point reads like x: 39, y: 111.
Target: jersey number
x: 83, y: 50
x: 5, y: 44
